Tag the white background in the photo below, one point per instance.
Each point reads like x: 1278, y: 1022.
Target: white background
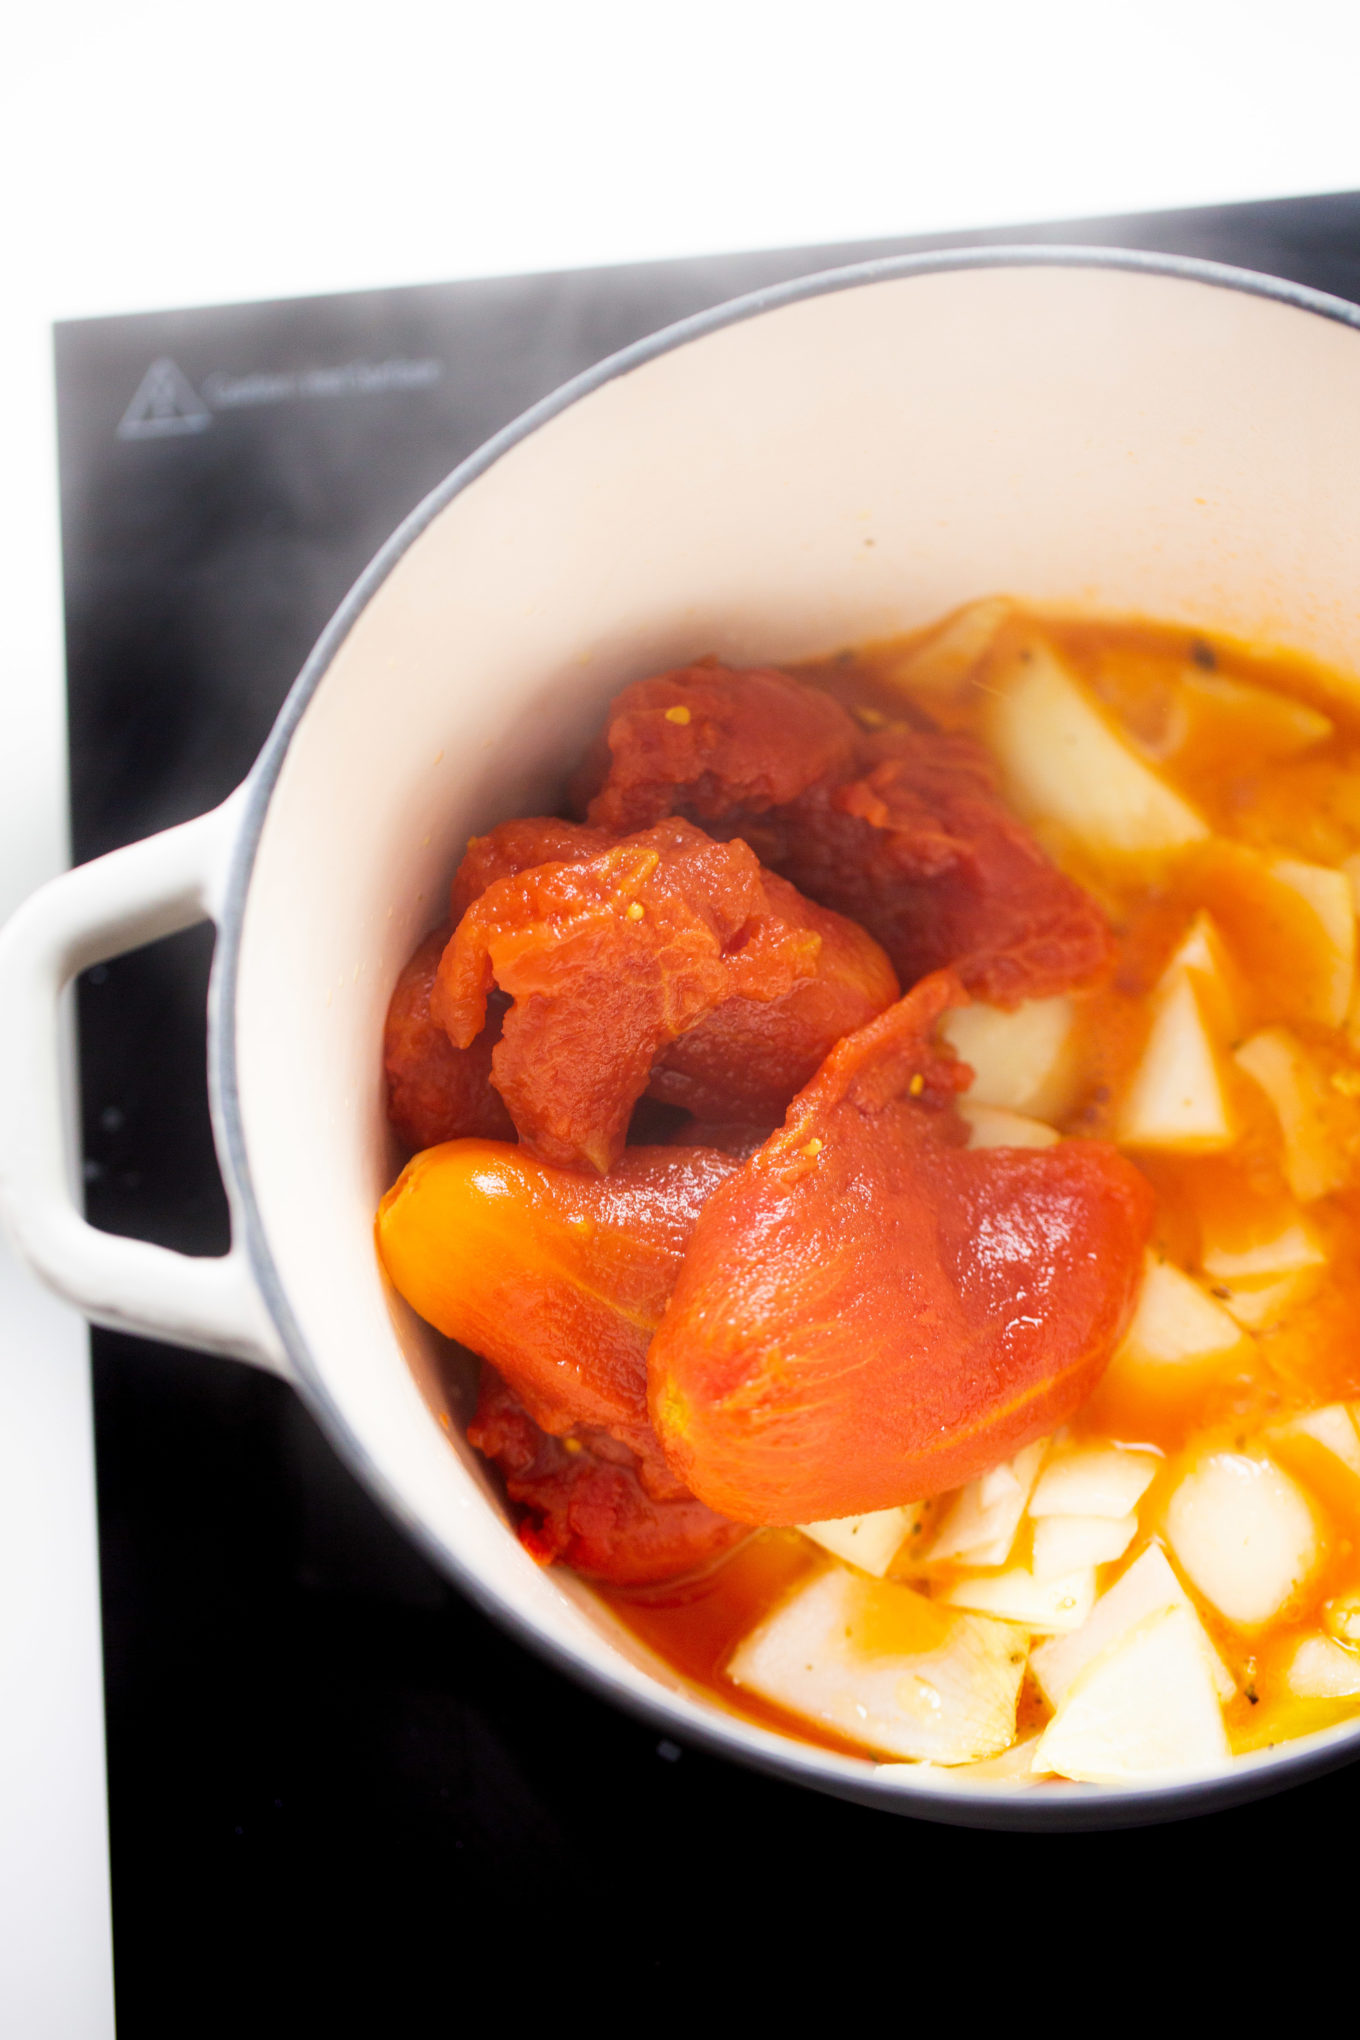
x: 157, y: 153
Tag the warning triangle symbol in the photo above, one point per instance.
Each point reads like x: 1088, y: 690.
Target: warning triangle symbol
x: 166, y: 402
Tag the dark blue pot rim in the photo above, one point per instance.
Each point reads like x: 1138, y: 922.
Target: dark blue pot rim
x: 1068, y: 1808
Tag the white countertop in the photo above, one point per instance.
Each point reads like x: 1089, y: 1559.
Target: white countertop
x: 163, y: 156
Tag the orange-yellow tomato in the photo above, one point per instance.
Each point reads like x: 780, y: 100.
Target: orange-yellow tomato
x: 558, y: 1278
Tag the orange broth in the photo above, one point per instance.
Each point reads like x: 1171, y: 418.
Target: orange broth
x: 1261, y: 790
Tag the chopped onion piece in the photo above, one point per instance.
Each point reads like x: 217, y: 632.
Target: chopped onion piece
x: 992, y: 1126
x: 1327, y: 896
x: 1014, y: 1766
x: 1321, y: 1448
x: 980, y: 1526
x: 1065, y: 763
x: 1148, y: 1584
x: 999, y: 1483
x: 952, y: 654
x: 1020, y: 1059
x: 1332, y: 1427
x: 1244, y: 1533
x: 1341, y: 1618
x: 1203, y: 955
x: 1211, y: 715
x: 1175, y: 1320
x: 870, y: 1542
x: 1323, y: 1670
x: 1064, y: 1543
x: 1314, y: 1161
x: 1176, y: 1098
x: 1200, y: 950
x: 1093, y: 1481
x: 1289, y: 927
x: 1144, y: 1708
x: 1051, y: 1606
x: 1291, y: 1250
x: 1256, y: 1306
x: 887, y: 1668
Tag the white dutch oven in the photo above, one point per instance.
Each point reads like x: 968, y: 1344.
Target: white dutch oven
x: 838, y: 459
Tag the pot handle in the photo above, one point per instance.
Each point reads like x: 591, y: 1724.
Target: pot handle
x: 99, y: 910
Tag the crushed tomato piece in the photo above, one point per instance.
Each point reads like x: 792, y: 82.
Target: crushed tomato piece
x: 869, y: 1312
x: 920, y: 851
x: 746, y: 1060
x: 694, y: 743
x: 901, y: 830
x: 436, y: 1091
x: 515, y: 846
x: 586, y: 1502
x: 608, y: 962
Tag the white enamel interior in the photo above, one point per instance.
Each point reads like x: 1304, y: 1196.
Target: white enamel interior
x: 843, y: 467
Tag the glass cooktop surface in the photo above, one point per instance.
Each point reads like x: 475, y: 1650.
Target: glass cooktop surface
x: 328, y: 1773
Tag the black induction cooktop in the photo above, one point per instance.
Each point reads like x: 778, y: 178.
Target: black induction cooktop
x: 338, y: 1793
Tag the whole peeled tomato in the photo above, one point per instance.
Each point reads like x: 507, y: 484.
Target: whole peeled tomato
x: 869, y: 1313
